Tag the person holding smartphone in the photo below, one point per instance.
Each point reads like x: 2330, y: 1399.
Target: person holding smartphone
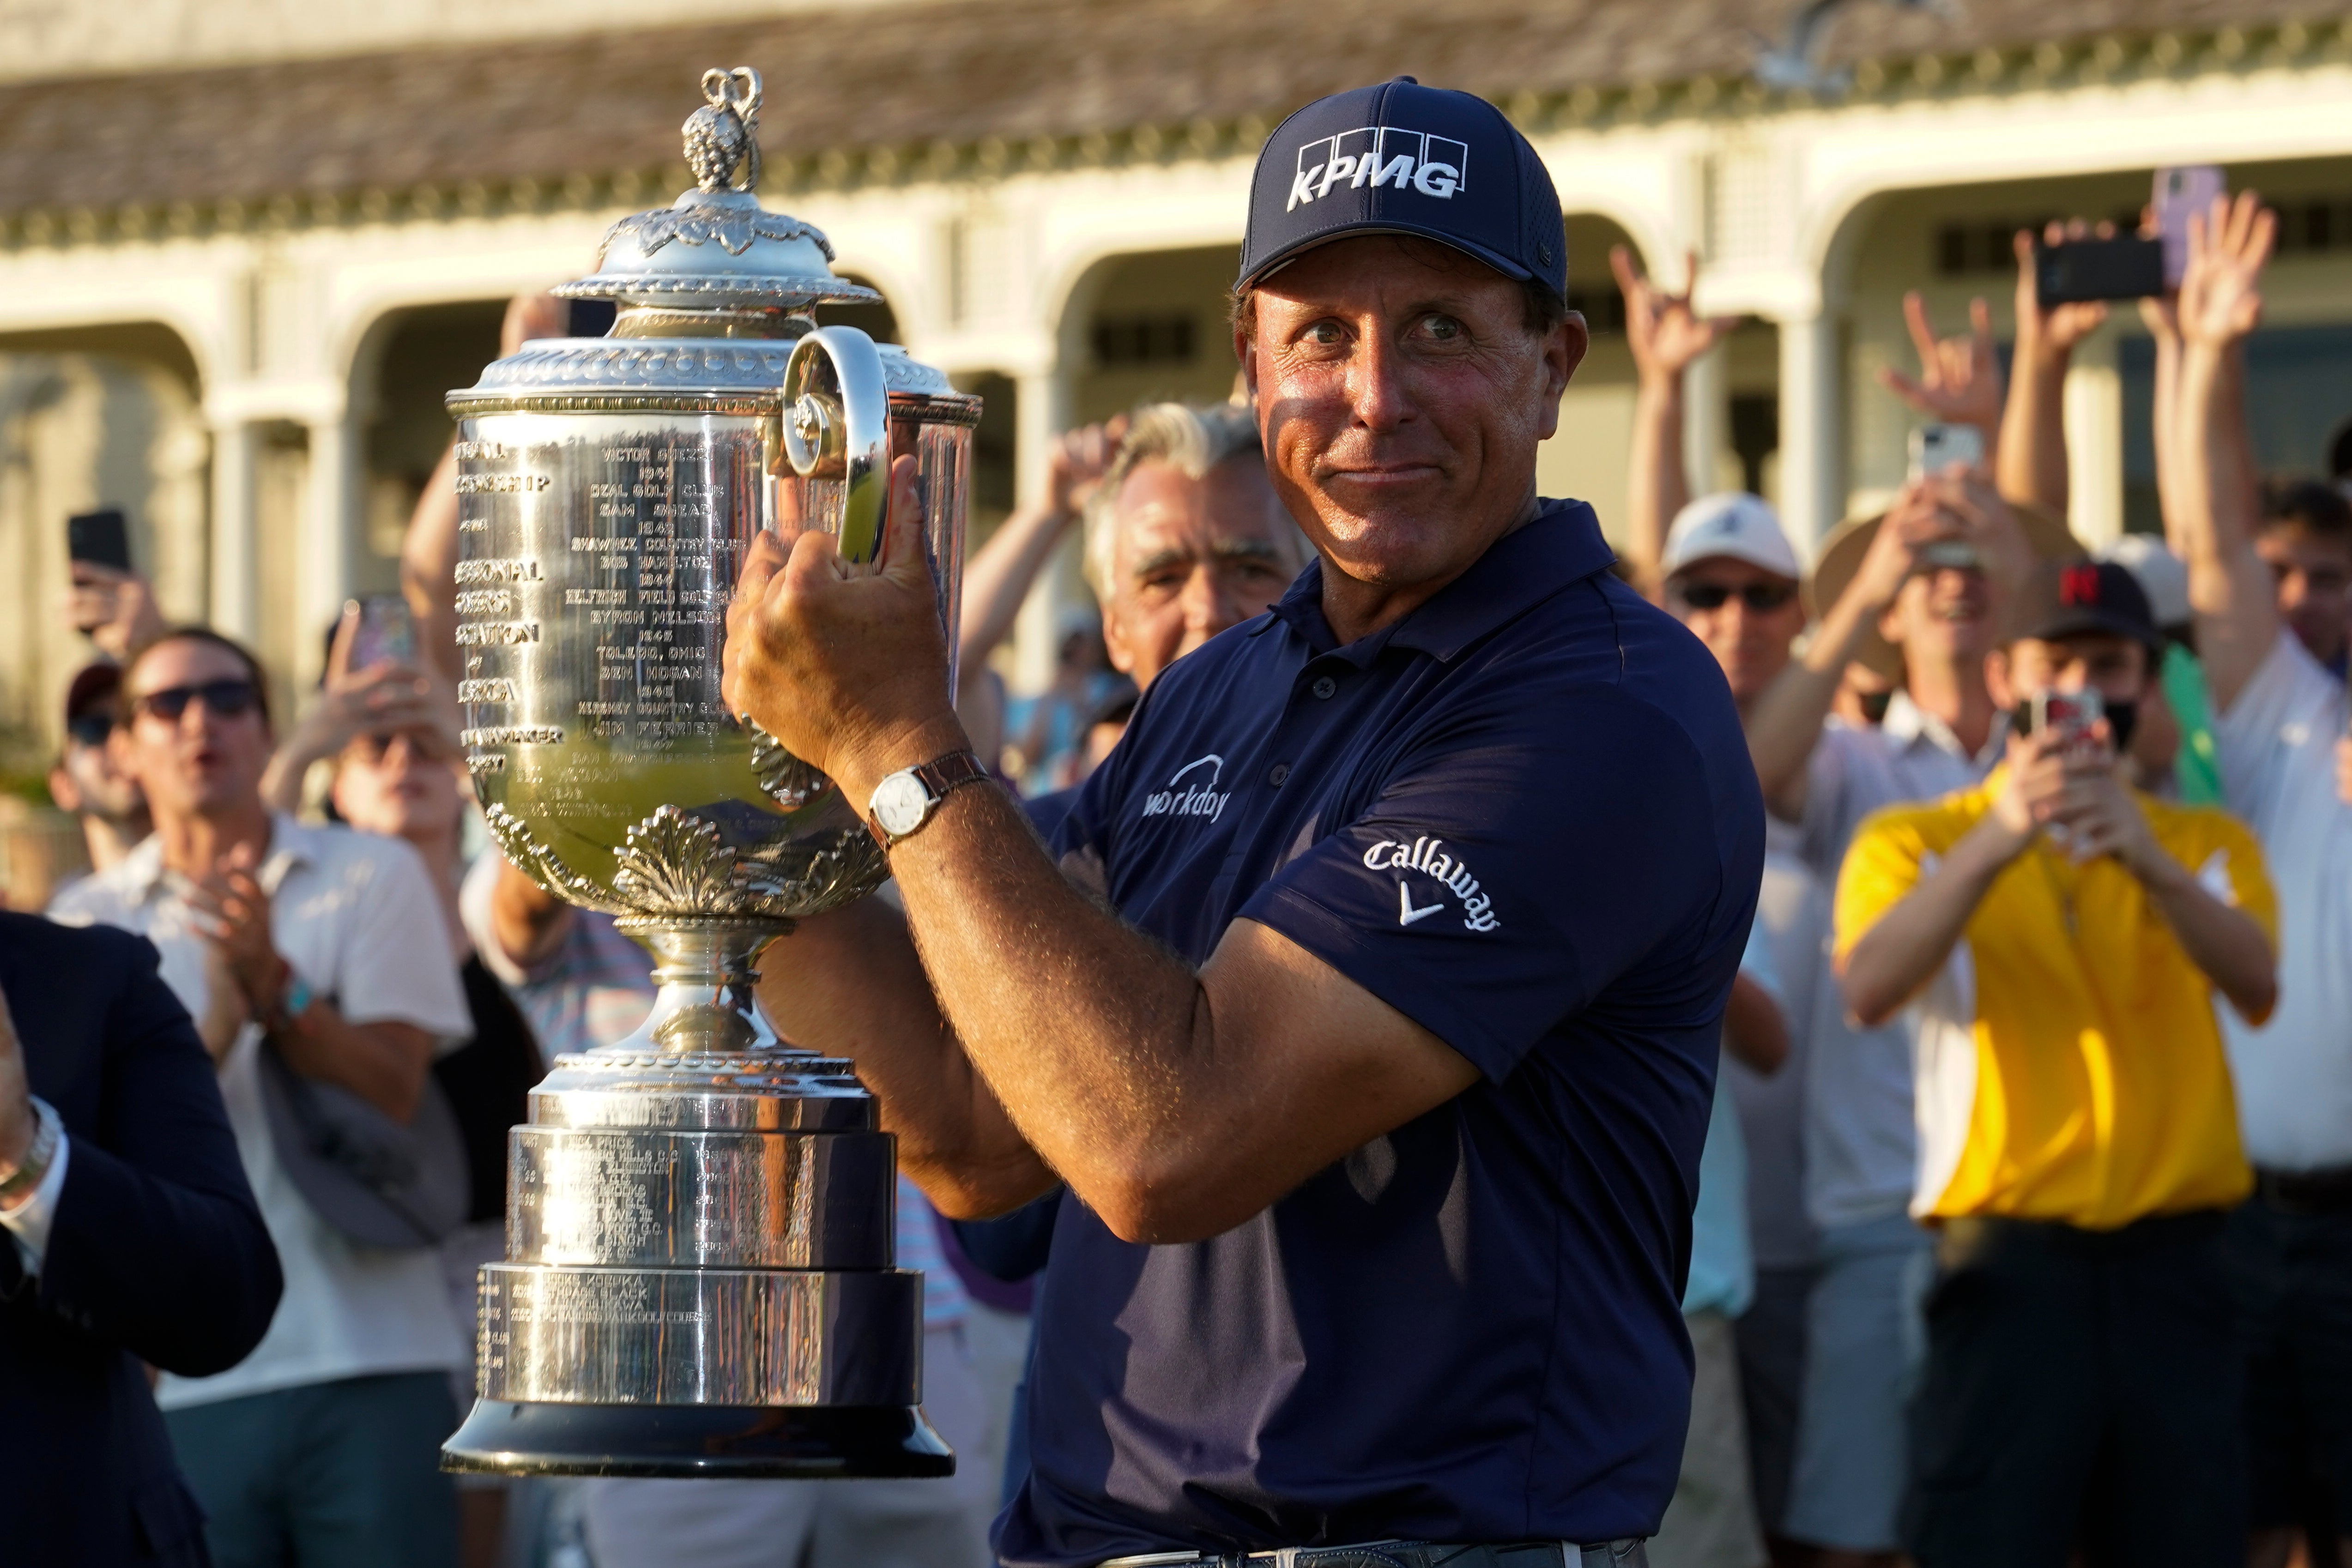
x: 109, y: 602
x: 2063, y: 939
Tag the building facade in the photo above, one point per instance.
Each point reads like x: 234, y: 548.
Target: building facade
x: 244, y: 246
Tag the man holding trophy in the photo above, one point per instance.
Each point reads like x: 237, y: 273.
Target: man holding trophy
x: 1368, y: 1000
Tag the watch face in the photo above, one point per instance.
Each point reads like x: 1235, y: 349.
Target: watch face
x: 899, y: 802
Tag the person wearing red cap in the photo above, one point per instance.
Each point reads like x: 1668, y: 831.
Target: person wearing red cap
x: 2065, y: 940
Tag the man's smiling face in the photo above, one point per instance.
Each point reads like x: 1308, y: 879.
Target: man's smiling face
x: 1402, y: 395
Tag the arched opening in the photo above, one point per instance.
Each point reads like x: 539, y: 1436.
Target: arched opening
x: 107, y: 415
x: 1153, y: 329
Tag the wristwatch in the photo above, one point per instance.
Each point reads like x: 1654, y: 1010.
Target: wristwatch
x: 905, y: 800
x: 42, y: 1152
x: 292, y: 1003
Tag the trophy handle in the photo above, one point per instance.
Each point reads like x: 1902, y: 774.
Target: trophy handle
x: 837, y: 426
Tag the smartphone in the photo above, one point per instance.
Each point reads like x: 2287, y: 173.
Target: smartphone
x: 2179, y: 192
x: 1935, y: 447
x: 100, y: 538
x: 2071, y: 713
x: 386, y: 633
x: 589, y: 318
x: 2078, y: 270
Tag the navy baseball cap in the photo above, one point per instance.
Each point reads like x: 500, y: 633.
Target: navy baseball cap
x: 2086, y: 597
x: 1404, y: 159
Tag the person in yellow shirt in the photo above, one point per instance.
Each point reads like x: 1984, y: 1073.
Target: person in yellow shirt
x: 2062, y: 936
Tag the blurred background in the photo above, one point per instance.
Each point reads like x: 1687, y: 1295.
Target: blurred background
x: 246, y: 245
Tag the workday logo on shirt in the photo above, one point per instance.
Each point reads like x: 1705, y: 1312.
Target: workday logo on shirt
x: 1425, y: 855
x: 1378, y: 155
x: 1189, y: 793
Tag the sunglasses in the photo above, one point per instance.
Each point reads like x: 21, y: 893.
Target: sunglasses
x: 1759, y: 596
x: 423, y: 745
x: 91, y: 728
x: 227, y: 699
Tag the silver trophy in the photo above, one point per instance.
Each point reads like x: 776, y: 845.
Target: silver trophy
x: 700, y: 1275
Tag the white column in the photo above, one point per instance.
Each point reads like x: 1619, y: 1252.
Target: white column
x: 235, y: 566
x: 2094, y: 440
x: 1707, y: 420
x: 1812, y: 465
x: 330, y: 523
x: 1042, y: 411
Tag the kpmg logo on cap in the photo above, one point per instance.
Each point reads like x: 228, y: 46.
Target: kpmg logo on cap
x: 1380, y: 155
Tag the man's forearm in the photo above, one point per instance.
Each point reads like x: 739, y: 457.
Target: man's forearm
x: 1784, y: 723
x: 384, y: 1064
x: 998, y: 577
x: 1657, y: 484
x: 848, y: 983
x: 1096, y: 1041
x: 2165, y: 428
x: 2031, y: 452
x: 2228, y: 586
x: 1895, y: 958
x: 527, y: 922
x: 2224, y: 943
x: 428, y: 567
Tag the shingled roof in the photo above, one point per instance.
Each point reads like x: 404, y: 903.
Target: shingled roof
x: 942, y: 87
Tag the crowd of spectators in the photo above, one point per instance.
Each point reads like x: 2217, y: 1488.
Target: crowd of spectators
x: 2023, y: 1229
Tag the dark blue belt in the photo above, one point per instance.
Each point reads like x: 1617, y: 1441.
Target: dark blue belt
x: 1626, y: 1554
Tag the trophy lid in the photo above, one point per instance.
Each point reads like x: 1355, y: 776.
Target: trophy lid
x: 715, y: 247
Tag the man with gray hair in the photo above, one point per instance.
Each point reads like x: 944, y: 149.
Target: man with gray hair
x: 1185, y: 535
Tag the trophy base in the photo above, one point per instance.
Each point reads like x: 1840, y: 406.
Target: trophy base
x: 709, y: 1442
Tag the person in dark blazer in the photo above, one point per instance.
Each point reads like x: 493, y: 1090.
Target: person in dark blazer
x: 128, y: 1233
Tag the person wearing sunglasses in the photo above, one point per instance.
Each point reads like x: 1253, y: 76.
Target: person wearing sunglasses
x: 325, y: 951
x: 110, y: 806
x: 1722, y: 566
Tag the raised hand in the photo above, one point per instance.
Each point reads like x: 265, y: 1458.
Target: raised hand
x: 2096, y: 811
x: 1664, y: 332
x: 1078, y: 461
x: 1986, y: 521
x: 845, y: 665
x: 379, y: 699
x: 2221, y: 299
x: 1959, y: 378
x: 116, y: 610
x: 2060, y: 327
x: 1893, y: 554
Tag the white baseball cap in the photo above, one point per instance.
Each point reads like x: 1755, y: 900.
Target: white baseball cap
x: 1734, y: 524
x: 2161, y: 574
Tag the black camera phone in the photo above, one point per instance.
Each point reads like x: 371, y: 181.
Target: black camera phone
x: 101, y: 538
x: 2079, y: 270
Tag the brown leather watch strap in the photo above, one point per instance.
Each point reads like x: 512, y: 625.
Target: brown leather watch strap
x: 939, y: 776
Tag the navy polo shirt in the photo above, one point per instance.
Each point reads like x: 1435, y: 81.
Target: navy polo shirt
x: 1523, y: 816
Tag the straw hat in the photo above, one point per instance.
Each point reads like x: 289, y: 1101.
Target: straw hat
x: 1841, y: 557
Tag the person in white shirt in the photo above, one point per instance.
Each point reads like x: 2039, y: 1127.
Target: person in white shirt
x: 1917, y: 595
x: 326, y: 948
x: 2279, y: 714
